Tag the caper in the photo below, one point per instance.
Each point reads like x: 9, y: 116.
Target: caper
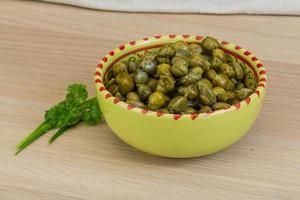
x: 126, y: 84
x: 240, y: 85
x: 189, y: 110
x: 113, y: 89
x: 220, y: 80
x: 136, y: 103
x: 166, y: 50
x: 133, y: 66
x: 120, y: 76
x: 195, y: 49
x: 152, y: 84
x: 150, y: 55
x: 163, y: 69
x: 210, y: 74
x: 227, y: 70
x: 197, y: 60
x: 220, y: 105
x: 219, y: 53
x: 227, y: 96
x: 210, y: 43
x: 177, y: 104
x: 110, y: 82
x: 205, y: 109
x: 179, y: 69
x: 203, y: 82
x: 218, y: 90
x: 193, y: 76
x: 143, y: 91
x: 163, y: 110
x: 234, y: 81
x: 120, y: 96
x: 148, y: 65
x: 119, y: 67
x: 216, y: 62
x: 207, y: 97
x: 156, y: 100
x: 249, y: 81
x: 239, y: 71
x: 193, y: 103
x: 132, y: 96
x: 141, y: 77
x: 190, y: 91
x: 243, y: 93
x: 181, y: 48
x: 165, y: 83
x: 230, y: 85
x: 163, y: 59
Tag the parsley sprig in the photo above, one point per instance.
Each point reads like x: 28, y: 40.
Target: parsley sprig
x: 74, y: 109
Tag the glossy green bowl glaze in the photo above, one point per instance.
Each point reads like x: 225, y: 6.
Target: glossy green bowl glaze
x: 175, y: 135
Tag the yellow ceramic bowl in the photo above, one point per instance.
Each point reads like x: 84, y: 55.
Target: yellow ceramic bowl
x: 175, y: 135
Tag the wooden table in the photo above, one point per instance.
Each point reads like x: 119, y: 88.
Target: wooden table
x: 44, y: 47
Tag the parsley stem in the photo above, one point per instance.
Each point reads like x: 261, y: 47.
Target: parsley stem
x: 38, y: 132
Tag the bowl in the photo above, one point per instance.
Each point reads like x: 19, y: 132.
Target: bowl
x: 176, y: 135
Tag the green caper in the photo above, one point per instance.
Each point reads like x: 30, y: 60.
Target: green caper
x: 136, y: 103
x: 197, y: 60
x: 205, y: 109
x: 156, y: 100
x: 150, y: 55
x: 218, y: 90
x: 249, y: 81
x: 119, y: 77
x: 210, y: 43
x: 148, y: 65
x: 227, y: 96
x: 132, y: 96
x: 133, y: 65
x: 119, y: 67
x: 227, y: 70
x: 110, y: 82
x: 152, y: 84
x: 240, y: 85
x: 219, y: 53
x: 177, y: 104
x: 216, y: 62
x: 243, y: 93
x: 210, y: 74
x: 239, y: 71
x: 120, y: 96
x: 179, y: 69
x: 191, y: 91
x: 163, y: 59
x: 189, y: 110
x: 203, y: 82
x: 193, y: 103
x: 230, y: 85
x: 195, y: 49
x: 163, y: 69
x: 165, y: 83
x: 233, y: 101
x: 126, y: 84
x: 183, y: 60
x: 113, y: 89
x: 166, y: 50
x: 181, y: 48
x: 163, y: 110
x: 193, y: 76
x: 220, y: 105
x: 220, y: 80
x: 143, y: 91
x: 207, y: 97
x: 141, y: 77
x: 234, y: 81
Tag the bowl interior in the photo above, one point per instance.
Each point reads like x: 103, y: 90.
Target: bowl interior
x: 253, y: 68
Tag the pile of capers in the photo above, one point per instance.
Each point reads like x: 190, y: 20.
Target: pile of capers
x: 181, y: 78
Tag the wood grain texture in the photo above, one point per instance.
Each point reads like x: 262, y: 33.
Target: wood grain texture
x: 44, y: 47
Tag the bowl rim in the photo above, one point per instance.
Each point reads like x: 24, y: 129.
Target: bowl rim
x: 242, y: 54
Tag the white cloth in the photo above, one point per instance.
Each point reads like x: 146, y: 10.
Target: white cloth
x: 278, y: 7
